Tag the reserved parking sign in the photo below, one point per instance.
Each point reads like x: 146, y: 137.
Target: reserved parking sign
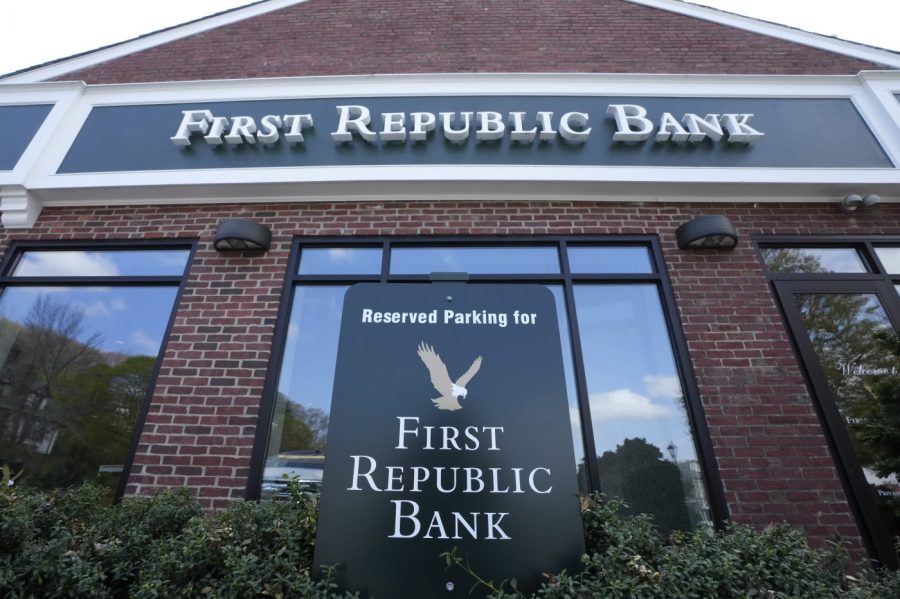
x: 449, y: 429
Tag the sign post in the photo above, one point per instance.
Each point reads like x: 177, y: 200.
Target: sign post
x: 449, y: 429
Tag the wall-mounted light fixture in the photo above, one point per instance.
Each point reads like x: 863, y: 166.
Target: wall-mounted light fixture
x: 707, y: 232
x: 855, y: 201
x: 237, y: 235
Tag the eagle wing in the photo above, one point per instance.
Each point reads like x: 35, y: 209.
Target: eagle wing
x: 440, y: 378
x: 472, y: 371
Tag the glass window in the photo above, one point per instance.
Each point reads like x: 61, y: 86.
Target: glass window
x: 107, y: 263
x: 844, y: 328
x: 645, y: 450
x: 340, y: 261
x: 296, y: 446
x: 645, y: 447
x: 890, y: 258
x: 849, y: 334
x: 474, y: 260
x: 76, y: 364
x: 569, y: 368
x: 813, y: 260
x: 610, y: 260
x: 305, y: 384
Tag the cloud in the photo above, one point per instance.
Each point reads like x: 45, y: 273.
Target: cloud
x: 625, y: 403
x: 93, y: 310
x: 657, y: 385
x: 450, y: 259
x: 145, y: 343
x: 176, y: 258
x: 339, y: 255
x: 101, y: 307
x: 68, y: 263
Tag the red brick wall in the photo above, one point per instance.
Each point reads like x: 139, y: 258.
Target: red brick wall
x: 770, y: 448
x: 344, y: 37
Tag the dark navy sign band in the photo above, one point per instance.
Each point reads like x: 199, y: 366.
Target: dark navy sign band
x: 799, y: 133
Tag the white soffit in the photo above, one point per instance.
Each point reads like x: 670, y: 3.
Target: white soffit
x: 790, y: 34
x: 144, y: 42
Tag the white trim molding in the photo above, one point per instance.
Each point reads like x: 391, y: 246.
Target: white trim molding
x: 144, y: 42
x: 879, y: 104
x: 35, y: 182
x: 19, y: 208
x: 62, y: 96
x: 790, y: 34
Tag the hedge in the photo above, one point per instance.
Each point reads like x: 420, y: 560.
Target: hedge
x: 69, y: 544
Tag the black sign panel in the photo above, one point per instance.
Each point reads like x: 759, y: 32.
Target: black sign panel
x: 449, y: 428
x: 800, y: 132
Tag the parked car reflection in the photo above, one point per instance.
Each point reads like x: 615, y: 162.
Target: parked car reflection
x: 303, y: 467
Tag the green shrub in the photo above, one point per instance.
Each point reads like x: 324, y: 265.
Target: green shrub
x: 626, y: 557
x: 70, y: 544
x: 251, y: 549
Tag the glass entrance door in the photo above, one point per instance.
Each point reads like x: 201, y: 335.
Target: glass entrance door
x: 844, y: 331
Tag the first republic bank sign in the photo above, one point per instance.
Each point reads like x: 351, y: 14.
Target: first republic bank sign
x: 631, y: 121
x: 449, y: 428
x: 573, y: 131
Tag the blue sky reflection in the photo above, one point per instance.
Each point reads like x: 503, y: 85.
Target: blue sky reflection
x: 633, y: 385
x: 129, y: 320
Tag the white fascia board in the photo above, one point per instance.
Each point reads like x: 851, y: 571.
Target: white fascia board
x: 878, y: 104
x: 887, y: 91
x: 89, y: 59
x: 472, y: 172
x: 868, y: 90
x: 790, y: 34
x: 478, y: 84
x: 63, y: 96
x: 424, y: 181
x: 627, y: 85
x: 747, y: 190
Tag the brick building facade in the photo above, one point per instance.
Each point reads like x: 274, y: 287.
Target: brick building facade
x: 772, y: 450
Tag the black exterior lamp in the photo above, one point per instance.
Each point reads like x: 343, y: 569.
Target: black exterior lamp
x: 707, y: 233
x: 237, y: 235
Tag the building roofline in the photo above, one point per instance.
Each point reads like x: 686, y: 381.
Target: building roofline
x: 76, y: 62
x: 62, y: 66
x: 776, y: 30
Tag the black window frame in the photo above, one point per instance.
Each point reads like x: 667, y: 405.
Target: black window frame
x: 17, y: 249
x: 564, y: 278
x: 875, y: 280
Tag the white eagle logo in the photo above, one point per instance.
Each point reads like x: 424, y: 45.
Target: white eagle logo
x: 440, y: 378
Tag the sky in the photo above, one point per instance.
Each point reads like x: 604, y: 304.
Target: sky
x: 37, y: 31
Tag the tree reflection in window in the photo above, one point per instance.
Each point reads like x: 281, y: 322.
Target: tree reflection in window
x: 877, y: 431
x: 644, y: 443
x: 636, y: 470
x: 297, y: 439
x: 849, y: 333
x: 75, y: 368
x: 812, y: 260
x: 645, y: 450
x: 852, y: 338
x: 303, y: 426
